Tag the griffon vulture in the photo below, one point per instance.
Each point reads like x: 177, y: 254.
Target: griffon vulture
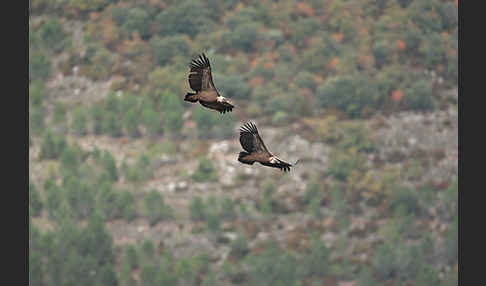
x: 256, y: 151
x: 201, y: 81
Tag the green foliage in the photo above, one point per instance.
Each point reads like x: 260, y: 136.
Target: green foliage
x: 79, y: 197
x: 349, y: 93
x: 317, y: 261
x: 152, y: 121
x: 59, y: 113
x: 305, y: 79
x: 239, y: 247
x: 170, y: 106
x: 185, y: 17
x: 213, y: 221
x: 405, y: 201
x: 265, y: 202
x: 232, y: 86
x: 136, y: 19
x: 227, y: 208
x: 36, y: 119
x: 71, y: 253
x: 140, y: 171
x: 130, y: 122
x: 111, y: 125
x: 131, y: 256
x: 197, y: 208
x: 35, y: 201
x: 166, y: 48
x: 96, y: 113
x: 52, y: 146
x: 36, y: 92
x: 79, y: 121
x: 273, y: 266
x: 419, y: 96
x: 243, y: 37
x: 39, y: 66
x: 52, y: 35
x: 54, y: 197
x: 155, y: 208
x: 206, y: 171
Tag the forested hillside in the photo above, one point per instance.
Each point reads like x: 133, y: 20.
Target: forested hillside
x: 131, y: 185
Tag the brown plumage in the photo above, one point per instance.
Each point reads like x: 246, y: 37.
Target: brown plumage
x: 256, y: 151
x: 201, y: 81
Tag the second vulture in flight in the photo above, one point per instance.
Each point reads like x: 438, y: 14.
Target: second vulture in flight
x: 255, y: 150
x: 201, y: 81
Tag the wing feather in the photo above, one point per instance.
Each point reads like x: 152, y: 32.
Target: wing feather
x: 200, y: 77
x: 250, y: 139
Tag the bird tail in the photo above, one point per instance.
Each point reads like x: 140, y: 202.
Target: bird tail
x: 191, y: 97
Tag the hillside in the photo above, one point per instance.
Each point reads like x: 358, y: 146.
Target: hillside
x: 134, y: 186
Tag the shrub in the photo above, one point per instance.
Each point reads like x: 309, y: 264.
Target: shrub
x: 213, y: 222
x: 39, y: 66
x: 406, y: 201
x: 79, y: 121
x: 111, y: 125
x: 36, y: 92
x: 165, y: 49
x: 197, y: 209
x: 53, y: 197
x: 171, y: 107
x: 136, y: 19
x: 35, y: 202
x: 243, y: 37
x: 141, y: 171
x: 108, y: 163
x: 302, y: 29
x: 205, y: 171
x: 419, y: 96
x: 305, y: 79
x: 239, y: 247
x: 232, y: 86
x: 152, y: 121
x: 36, y: 119
x: 350, y: 93
x: 130, y: 122
x: 59, y: 113
x: 97, y: 115
x: 273, y: 266
x: 155, y: 208
x: 52, y: 146
x: 52, y: 35
x: 131, y: 256
x: 227, y: 208
x: 317, y: 261
x: 185, y: 17
x: 80, y: 198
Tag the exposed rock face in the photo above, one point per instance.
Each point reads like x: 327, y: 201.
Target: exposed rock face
x: 410, y: 134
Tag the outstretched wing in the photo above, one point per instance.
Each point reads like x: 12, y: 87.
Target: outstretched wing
x: 250, y: 139
x: 277, y: 163
x: 200, y: 75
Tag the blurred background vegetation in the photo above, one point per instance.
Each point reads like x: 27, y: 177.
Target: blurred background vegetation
x: 106, y: 119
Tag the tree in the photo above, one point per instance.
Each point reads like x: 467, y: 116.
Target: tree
x: 35, y: 202
x: 155, y: 208
x: 166, y: 48
x: 197, y: 209
x: 79, y: 122
x: 185, y: 17
x: 205, y: 171
x: 52, y: 146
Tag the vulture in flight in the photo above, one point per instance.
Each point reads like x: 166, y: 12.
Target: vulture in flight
x: 201, y: 81
x: 256, y: 151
